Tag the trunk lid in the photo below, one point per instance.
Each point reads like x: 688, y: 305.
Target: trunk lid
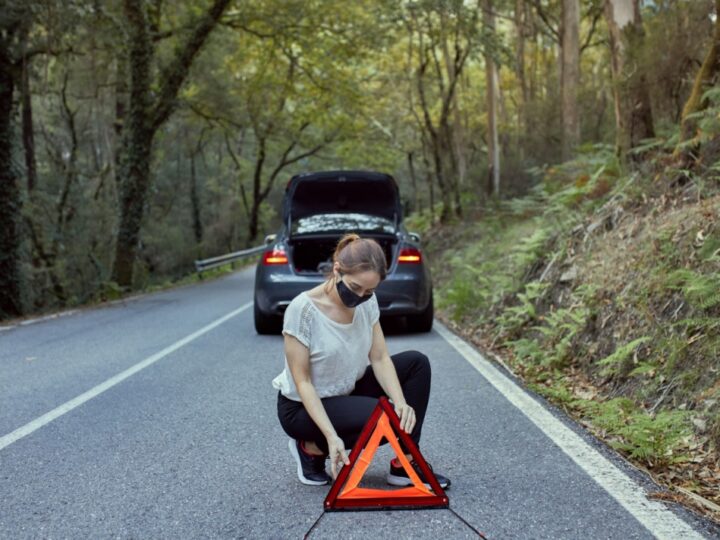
x: 342, y: 192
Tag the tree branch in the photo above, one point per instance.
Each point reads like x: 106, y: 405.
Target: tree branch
x: 593, y: 26
x: 173, y: 75
x: 554, y: 33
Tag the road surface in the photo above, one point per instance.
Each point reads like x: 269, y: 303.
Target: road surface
x: 154, y: 417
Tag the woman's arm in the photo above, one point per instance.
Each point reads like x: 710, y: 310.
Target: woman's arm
x: 298, y: 358
x: 385, y: 373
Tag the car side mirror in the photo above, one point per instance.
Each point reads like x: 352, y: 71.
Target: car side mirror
x: 414, y: 236
x: 270, y: 238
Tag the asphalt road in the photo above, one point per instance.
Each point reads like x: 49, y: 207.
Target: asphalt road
x: 155, y: 418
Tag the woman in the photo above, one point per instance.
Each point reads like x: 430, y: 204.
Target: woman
x: 337, y: 366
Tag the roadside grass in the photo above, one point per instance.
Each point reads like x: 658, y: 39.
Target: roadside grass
x: 112, y: 291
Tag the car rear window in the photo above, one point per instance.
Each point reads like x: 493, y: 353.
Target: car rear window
x: 340, y: 223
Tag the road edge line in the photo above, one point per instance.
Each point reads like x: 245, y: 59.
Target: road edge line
x: 57, y: 412
x: 656, y: 518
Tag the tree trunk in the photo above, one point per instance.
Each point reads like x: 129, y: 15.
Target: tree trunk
x: 253, y: 225
x: 491, y: 84
x: 429, y: 180
x: 10, y: 301
x: 570, y: 80
x: 145, y: 116
x: 434, y: 143
x: 519, y: 17
x: 195, y: 202
x: 633, y: 115
x: 706, y: 78
x: 121, y: 98
x: 413, y: 181
x: 137, y: 142
x: 28, y: 136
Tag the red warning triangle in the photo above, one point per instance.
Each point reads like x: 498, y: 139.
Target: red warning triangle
x: 345, y: 493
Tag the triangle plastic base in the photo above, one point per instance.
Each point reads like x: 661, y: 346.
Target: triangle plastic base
x: 345, y: 493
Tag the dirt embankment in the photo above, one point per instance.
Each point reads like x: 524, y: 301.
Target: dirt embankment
x: 617, y: 321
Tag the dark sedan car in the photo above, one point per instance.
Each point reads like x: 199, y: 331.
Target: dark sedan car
x: 318, y: 209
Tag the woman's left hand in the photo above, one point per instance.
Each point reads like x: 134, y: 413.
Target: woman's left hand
x: 407, y: 417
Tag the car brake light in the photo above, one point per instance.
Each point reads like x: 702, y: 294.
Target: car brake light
x: 410, y: 255
x: 275, y: 256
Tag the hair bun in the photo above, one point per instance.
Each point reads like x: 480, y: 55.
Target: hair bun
x: 365, y: 254
x: 344, y: 241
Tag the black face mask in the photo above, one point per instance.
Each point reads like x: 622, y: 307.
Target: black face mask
x: 349, y: 298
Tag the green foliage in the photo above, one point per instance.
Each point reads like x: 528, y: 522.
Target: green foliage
x: 701, y: 290
x: 560, y: 328
x: 484, y: 272
x: 652, y: 439
x: 527, y: 351
x: 531, y: 248
x: 708, y: 119
x: 514, y: 317
x: 108, y: 290
x: 468, y: 291
x: 553, y: 348
x: 554, y: 389
x: 616, y: 362
x: 421, y: 222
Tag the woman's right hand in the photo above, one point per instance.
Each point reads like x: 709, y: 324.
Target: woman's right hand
x: 336, y: 453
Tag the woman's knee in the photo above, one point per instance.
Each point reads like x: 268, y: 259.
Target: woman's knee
x: 420, y: 360
x: 412, y: 364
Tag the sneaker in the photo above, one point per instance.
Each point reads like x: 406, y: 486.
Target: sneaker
x: 310, y: 469
x: 398, y: 477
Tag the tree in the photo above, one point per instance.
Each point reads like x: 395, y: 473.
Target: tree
x: 706, y: 78
x: 17, y: 47
x: 147, y: 112
x: 437, y: 78
x: 633, y: 114
x: 570, y: 76
x: 491, y: 88
x: 13, y: 24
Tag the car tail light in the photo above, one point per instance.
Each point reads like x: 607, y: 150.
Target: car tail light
x: 410, y: 255
x: 275, y: 256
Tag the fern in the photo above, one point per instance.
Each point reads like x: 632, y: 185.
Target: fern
x: 560, y: 328
x: 527, y: 350
x: 701, y: 290
x: 530, y: 248
x: 701, y: 324
x: 515, y: 317
x: 654, y: 439
x: 614, y: 361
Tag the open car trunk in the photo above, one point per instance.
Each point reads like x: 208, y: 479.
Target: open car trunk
x: 313, y: 254
x: 342, y: 192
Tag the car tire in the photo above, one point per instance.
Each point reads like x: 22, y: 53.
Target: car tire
x: 422, y: 322
x: 266, y: 324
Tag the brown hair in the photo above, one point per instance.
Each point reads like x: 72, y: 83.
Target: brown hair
x: 357, y: 254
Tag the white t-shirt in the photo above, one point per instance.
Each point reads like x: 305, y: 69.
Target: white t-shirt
x: 339, y: 353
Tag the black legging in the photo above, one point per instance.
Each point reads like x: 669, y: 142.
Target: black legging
x: 348, y: 414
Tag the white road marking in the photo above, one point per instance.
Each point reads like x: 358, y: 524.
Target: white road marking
x: 68, y: 406
x: 657, y: 519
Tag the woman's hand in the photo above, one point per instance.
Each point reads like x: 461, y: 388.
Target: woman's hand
x: 336, y: 453
x: 407, y: 416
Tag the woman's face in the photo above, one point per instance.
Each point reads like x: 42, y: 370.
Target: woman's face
x: 361, y: 283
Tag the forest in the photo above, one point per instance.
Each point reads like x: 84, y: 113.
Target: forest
x: 561, y: 159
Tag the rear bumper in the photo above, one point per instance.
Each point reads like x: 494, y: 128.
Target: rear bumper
x: 406, y: 293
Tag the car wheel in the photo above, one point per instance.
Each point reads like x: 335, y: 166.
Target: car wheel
x: 266, y: 324
x: 424, y: 321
